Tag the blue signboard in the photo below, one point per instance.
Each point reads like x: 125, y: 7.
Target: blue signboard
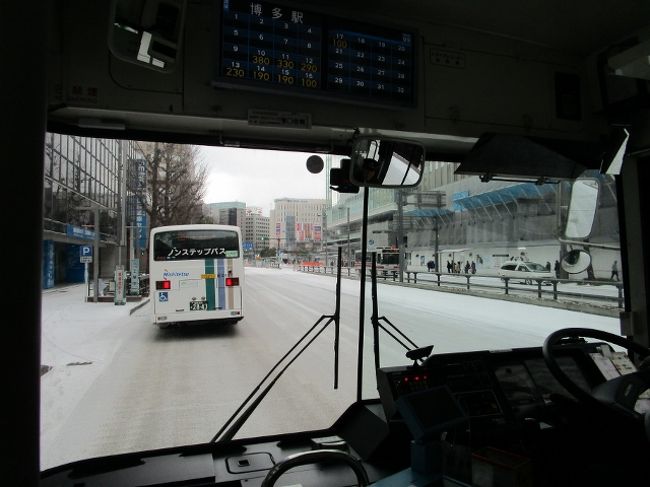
x: 247, y: 246
x: 78, y: 232
x: 140, y: 214
x: 48, y: 264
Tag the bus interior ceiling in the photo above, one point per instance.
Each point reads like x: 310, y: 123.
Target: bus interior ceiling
x: 541, y: 69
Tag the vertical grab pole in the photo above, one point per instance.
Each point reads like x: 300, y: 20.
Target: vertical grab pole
x: 337, y: 311
x: 362, y: 291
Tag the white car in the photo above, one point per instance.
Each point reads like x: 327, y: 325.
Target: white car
x: 527, y: 271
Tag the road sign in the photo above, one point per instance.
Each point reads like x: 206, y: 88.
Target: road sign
x: 85, y: 253
x: 120, y: 297
x: 247, y: 246
x: 135, y: 276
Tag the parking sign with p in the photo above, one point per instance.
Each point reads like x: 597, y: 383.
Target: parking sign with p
x: 85, y: 253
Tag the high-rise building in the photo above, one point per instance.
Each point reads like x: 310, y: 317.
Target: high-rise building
x: 256, y: 230
x: 82, y: 179
x: 227, y: 213
x: 297, y: 223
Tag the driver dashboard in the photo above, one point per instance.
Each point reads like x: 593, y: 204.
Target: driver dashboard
x: 494, y: 388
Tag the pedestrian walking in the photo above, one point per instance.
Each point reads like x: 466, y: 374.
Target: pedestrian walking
x: 548, y: 265
x: 467, y: 266
x: 431, y: 266
x: 556, y: 268
x: 614, y: 271
x: 473, y: 267
x: 448, y: 267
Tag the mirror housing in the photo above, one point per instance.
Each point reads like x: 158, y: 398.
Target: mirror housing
x: 147, y: 33
x: 576, y: 261
x: 340, y: 178
x: 379, y: 162
x: 582, y: 208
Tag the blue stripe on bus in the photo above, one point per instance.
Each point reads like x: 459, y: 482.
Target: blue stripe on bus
x: 221, y: 275
x: 209, y: 283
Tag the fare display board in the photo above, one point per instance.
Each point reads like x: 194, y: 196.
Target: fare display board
x: 267, y: 44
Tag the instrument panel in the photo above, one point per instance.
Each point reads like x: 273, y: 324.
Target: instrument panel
x: 492, y: 387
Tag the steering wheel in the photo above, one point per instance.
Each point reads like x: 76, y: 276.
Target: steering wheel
x: 314, y: 456
x: 619, y: 394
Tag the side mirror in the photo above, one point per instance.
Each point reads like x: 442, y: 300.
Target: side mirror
x: 386, y: 163
x: 582, y: 209
x: 147, y: 32
x: 576, y: 261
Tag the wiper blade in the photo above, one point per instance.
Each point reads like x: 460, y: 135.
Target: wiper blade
x: 236, y: 421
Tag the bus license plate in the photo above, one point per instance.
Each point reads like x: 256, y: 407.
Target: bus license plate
x: 198, y: 305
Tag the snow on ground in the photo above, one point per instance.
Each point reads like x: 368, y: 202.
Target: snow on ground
x: 78, y: 340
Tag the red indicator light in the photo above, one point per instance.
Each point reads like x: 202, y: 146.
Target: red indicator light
x: 232, y: 281
x: 406, y: 379
x: 163, y: 284
x: 417, y: 377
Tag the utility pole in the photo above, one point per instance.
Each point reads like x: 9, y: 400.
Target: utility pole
x: 348, y: 208
x: 560, y: 230
x: 122, y: 183
x: 96, y: 255
x: 400, y: 234
x: 325, y: 233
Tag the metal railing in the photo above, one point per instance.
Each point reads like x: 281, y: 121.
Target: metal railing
x: 601, y: 292
x: 107, y: 287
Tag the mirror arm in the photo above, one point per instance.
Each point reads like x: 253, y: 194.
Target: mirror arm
x: 589, y: 244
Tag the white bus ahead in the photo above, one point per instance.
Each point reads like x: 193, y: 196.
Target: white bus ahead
x: 196, y: 273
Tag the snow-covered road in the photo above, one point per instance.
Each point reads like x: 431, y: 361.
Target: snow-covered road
x: 120, y: 384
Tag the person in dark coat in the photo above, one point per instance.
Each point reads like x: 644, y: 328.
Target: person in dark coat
x: 473, y: 267
x: 556, y: 268
x: 449, y: 266
x: 431, y: 266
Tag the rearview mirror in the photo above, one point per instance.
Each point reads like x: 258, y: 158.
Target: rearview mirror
x: 582, y: 208
x: 386, y: 163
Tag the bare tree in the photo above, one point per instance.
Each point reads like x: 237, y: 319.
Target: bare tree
x: 175, y: 184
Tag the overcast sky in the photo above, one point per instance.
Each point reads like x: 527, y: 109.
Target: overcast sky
x: 257, y: 177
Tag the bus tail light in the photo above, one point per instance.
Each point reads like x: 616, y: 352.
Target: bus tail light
x: 163, y: 285
x: 232, y: 281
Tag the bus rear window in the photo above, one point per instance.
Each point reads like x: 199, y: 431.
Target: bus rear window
x: 196, y: 245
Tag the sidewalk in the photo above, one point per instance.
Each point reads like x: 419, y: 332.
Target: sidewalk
x: 78, y: 342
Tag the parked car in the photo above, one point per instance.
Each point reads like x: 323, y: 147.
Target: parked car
x: 527, y: 271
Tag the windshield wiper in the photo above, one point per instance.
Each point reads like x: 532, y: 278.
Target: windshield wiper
x: 237, y: 420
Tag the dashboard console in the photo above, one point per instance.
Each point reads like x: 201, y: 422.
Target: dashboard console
x: 494, y: 388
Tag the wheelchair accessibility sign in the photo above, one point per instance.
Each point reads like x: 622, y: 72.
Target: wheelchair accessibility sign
x: 163, y: 297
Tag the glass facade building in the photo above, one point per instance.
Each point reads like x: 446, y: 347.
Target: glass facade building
x: 81, y: 174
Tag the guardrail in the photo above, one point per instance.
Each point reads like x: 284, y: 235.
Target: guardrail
x: 321, y: 269
x: 554, y: 289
